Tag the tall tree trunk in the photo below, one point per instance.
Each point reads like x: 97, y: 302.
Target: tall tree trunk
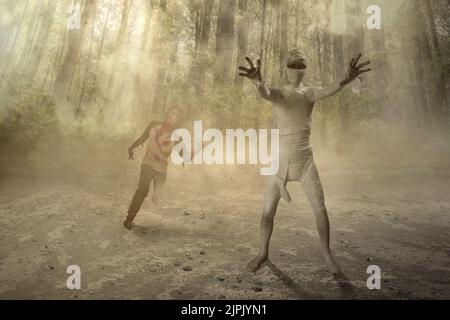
x: 38, y: 11
x: 95, y: 73
x: 223, y: 73
x: 354, y: 44
x: 320, y: 77
x: 242, y: 42
x: 71, y: 58
x: 276, y: 44
x: 119, y: 44
x: 58, y: 58
x: 418, y: 87
x: 263, y: 51
x: 201, y: 56
x: 425, y: 52
x: 415, y: 52
x: 32, y: 64
x: 102, y: 41
x: 422, y: 55
x: 6, y: 63
x: 443, y: 111
x: 262, y: 35
x: 141, y: 96
x: 280, y: 48
x: 198, y: 27
x: 7, y: 26
x: 200, y: 59
x: 297, y: 6
x: 380, y: 63
x: 161, y: 47
x: 338, y: 56
x: 87, y: 71
x: 320, y: 71
x: 241, y: 53
x: 168, y: 75
x: 196, y: 13
x: 327, y: 59
x: 326, y: 74
x: 53, y: 64
x: 284, y: 34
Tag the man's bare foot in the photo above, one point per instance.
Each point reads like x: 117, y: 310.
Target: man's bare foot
x: 331, y: 263
x: 128, y: 223
x: 256, y: 263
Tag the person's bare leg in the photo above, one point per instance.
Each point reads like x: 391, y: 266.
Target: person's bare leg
x: 269, y: 211
x: 314, y: 193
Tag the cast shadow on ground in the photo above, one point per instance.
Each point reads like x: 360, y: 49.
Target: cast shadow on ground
x: 291, y: 284
x: 162, y: 231
x: 347, y: 290
x: 345, y: 286
x: 158, y: 231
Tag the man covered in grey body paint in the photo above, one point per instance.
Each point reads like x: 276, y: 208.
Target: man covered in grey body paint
x: 292, y: 108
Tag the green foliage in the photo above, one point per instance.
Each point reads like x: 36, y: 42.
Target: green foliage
x: 28, y: 121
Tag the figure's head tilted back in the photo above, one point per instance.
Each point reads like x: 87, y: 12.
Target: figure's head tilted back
x: 294, y: 68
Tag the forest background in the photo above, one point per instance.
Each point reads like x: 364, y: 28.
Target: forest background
x: 98, y: 86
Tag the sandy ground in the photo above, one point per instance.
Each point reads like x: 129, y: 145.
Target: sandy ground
x: 196, y: 244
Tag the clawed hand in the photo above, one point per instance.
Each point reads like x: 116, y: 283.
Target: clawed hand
x: 130, y: 154
x: 355, y: 69
x: 252, y: 73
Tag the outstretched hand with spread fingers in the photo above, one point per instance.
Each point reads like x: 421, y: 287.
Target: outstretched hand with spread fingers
x: 356, y: 70
x: 252, y: 73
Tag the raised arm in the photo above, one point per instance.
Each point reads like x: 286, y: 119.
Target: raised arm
x: 355, y: 70
x: 254, y: 74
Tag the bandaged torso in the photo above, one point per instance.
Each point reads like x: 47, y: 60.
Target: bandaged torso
x: 291, y: 114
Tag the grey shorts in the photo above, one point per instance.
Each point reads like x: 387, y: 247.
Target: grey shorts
x: 300, y: 167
